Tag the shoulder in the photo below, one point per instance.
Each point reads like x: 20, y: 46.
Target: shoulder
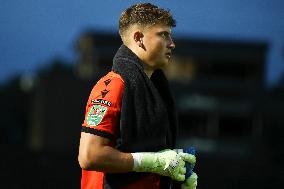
x: 110, y: 80
x: 110, y: 88
x: 111, y: 77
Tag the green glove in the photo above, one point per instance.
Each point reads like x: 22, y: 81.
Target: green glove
x: 191, y: 182
x: 167, y: 163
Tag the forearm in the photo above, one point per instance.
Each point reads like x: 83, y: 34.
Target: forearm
x: 96, y: 154
x: 108, y: 159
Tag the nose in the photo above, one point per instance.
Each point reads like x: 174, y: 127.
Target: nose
x: 171, y: 44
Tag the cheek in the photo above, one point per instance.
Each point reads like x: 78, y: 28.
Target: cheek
x: 158, y: 43
x: 154, y: 51
x: 153, y: 42
x: 155, y: 46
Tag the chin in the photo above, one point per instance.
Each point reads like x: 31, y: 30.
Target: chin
x: 167, y: 62
x: 164, y: 64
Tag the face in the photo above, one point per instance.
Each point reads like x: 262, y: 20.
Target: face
x: 157, y: 46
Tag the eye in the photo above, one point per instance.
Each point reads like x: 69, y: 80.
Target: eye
x: 164, y: 35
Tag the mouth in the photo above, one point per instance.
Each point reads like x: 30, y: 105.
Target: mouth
x: 168, y: 54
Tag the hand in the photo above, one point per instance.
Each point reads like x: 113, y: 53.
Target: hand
x: 190, y: 161
x: 187, y: 157
x: 167, y: 163
x: 191, y: 182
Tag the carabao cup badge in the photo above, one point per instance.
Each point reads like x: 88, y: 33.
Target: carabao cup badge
x: 96, y: 115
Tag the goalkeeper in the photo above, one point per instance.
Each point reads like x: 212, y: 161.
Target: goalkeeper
x: 129, y: 131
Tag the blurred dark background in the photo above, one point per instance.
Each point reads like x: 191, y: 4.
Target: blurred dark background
x: 226, y: 76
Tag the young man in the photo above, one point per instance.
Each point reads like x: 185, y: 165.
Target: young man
x: 130, y: 123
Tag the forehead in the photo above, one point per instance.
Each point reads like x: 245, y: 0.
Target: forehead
x: 159, y: 28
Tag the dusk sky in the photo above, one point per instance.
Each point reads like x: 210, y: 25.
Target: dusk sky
x: 33, y: 32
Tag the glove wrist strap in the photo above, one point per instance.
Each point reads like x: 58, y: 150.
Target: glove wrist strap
x: 137, y: 158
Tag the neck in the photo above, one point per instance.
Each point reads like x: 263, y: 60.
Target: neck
x: 148, y: 72
x: 137, y: 51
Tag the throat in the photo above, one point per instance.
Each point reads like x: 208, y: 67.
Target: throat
x: 148, y: 72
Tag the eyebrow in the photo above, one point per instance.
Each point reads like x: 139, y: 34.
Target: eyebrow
x: 164, y: 32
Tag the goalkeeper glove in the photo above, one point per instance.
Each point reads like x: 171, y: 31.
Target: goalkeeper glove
x: 189, y: 166
x: 167, y: 163
x: 191, y: 182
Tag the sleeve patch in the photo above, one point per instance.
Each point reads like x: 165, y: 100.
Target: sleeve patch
x: 96, y: 114
x: 101, y: 101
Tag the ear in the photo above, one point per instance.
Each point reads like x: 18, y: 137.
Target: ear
x: 138, y: 38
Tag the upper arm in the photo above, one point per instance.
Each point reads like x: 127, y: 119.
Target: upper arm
x: 103, y: 108
x: 92, y: 142
x: 101, y: 123
x: 90, y: 146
